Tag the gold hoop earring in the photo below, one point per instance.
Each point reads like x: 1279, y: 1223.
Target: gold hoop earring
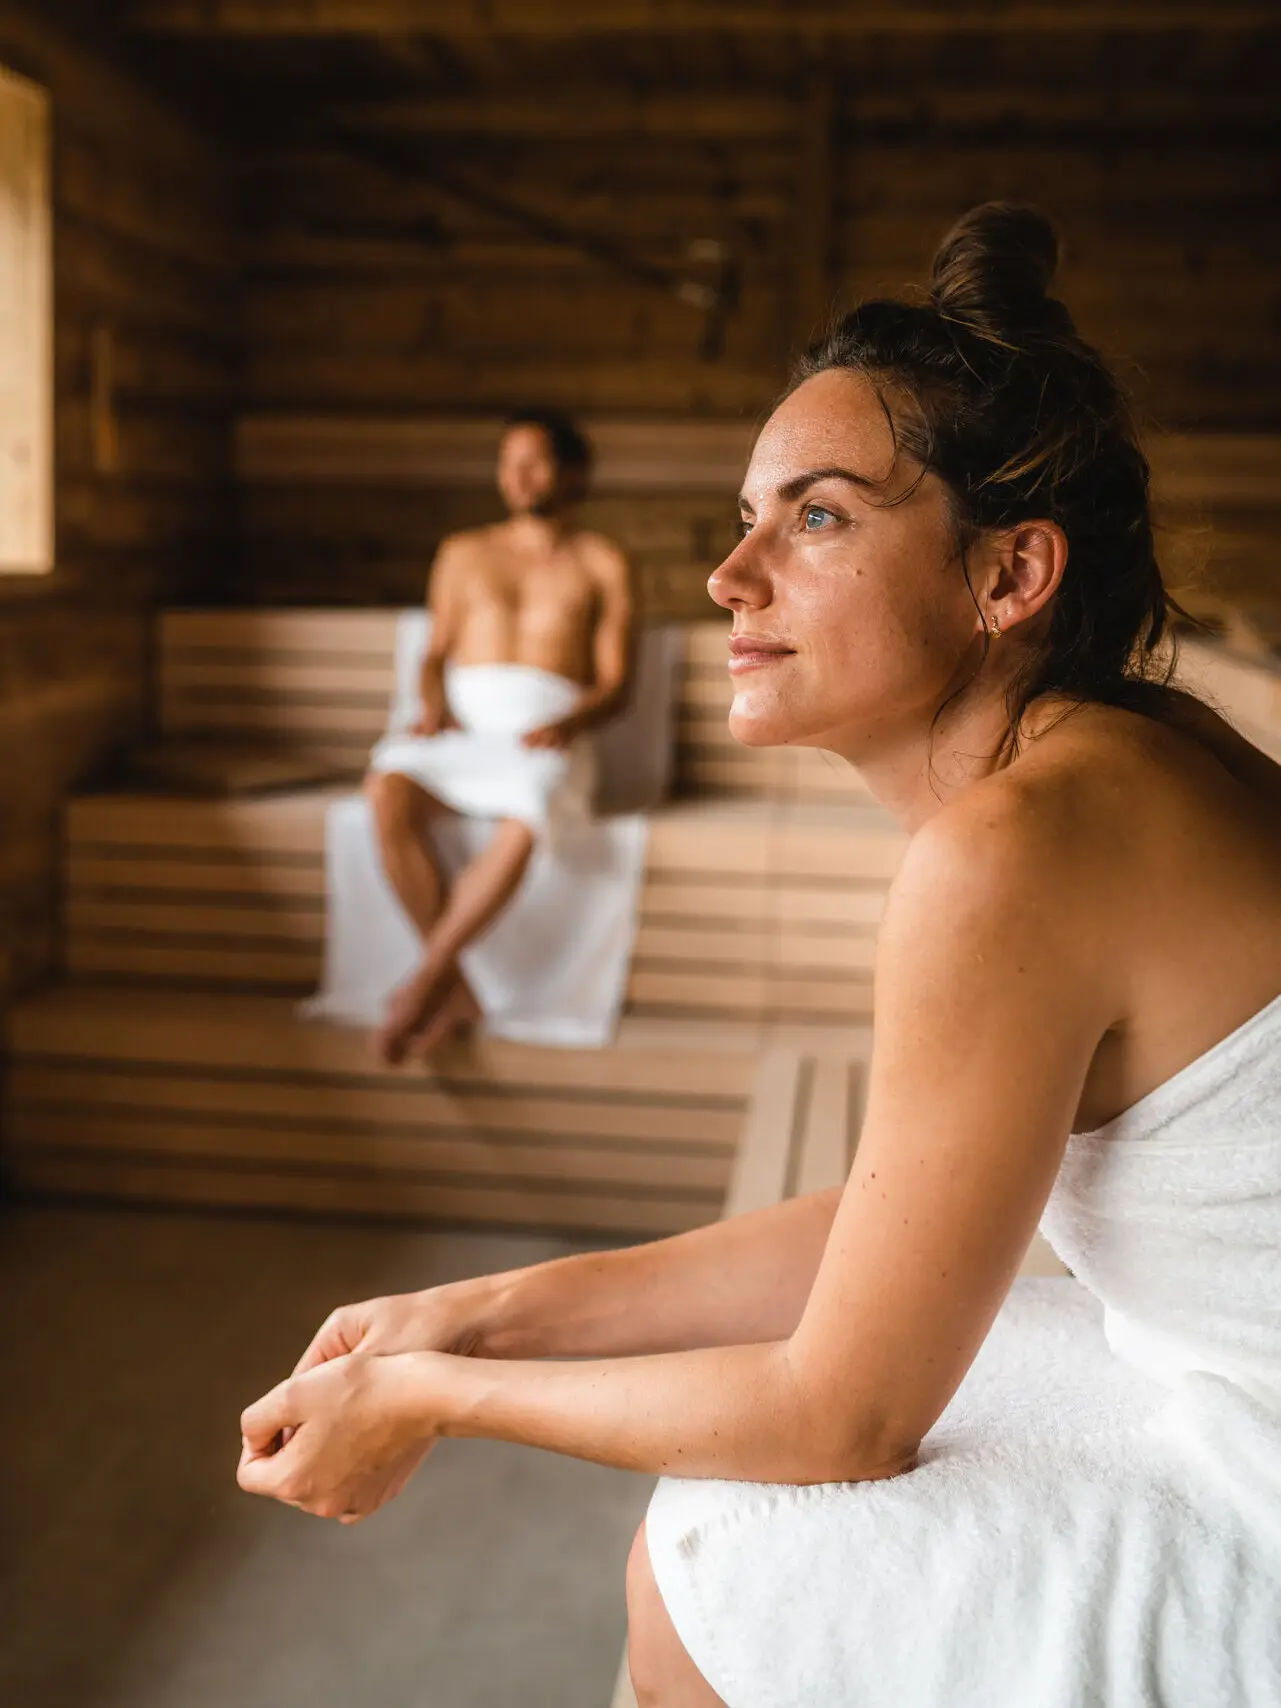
x: 995, y: 630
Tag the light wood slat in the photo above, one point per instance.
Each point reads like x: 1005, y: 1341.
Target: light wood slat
x: 816, y: 851
x: 685, y: 978
x: 708, y: 844
x: 435, y: 1153
x: 765, y: 946
x: 743, y: 992
x: 366, y: 1105
x: 133, y: 881
x: 709, y: 738
x: 294, y: 821
x: 706, y: 689
x: 93, y: 875
x: 707, y: 645
x: 821, y: 998
x: 779, y: 903
x: 827, y: 1145
x: 746, y: 993
x: 100, y: 1177
x: 274, y: 919
x: 727, y: 775
x: 295, y: 967
x: 261, y: 1033
x: 276, y: 674
x: 289, y: 823
x: 331, y: 719
x: 772, y: 1128
x: 757, y: 766
x: 307, y: 630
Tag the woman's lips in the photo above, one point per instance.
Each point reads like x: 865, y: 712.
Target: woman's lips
x: 747, y: 652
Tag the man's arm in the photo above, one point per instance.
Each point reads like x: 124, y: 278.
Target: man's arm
x: 443, y: 606
x: 613, y: 649
x: 614, y: 646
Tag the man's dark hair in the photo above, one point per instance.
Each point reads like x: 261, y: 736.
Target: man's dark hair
x: 570, y: 447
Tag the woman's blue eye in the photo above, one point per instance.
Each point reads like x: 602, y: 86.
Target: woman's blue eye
x: 744, y: 528
x: 813, y: 510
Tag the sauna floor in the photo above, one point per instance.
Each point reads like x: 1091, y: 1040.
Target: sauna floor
x: 134, y: 1574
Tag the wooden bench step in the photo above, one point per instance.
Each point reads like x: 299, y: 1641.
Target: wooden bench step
x: 235, y: 1101
x: 749, y: 908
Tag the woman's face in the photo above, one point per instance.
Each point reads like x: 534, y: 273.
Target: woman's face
x: 860, y: 606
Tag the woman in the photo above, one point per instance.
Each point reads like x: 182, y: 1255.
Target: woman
x: 947, y: 576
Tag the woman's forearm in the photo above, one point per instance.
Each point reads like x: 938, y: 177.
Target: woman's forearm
x: 734, y: 1282
x: 741, y: 1412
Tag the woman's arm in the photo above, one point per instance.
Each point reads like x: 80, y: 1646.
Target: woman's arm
x: 743, y: 1280
x: 989, y: 1008
x: 738, y: 1281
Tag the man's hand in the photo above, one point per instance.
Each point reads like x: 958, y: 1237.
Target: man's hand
x: 433, y: 717
x: 435, y: 1320
x: 558, y: 736
x: 340, y: 1441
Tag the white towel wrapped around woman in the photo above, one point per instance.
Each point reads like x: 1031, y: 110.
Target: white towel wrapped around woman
x: 1095, y: 1520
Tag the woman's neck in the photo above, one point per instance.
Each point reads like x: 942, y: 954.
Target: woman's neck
x: 915, y: 771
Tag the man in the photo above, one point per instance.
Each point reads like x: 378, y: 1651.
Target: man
x: 530, y: 649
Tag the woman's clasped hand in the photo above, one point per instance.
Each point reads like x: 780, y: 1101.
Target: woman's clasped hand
x: 346, y: 1431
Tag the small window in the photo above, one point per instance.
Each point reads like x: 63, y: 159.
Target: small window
x: 26, y: 330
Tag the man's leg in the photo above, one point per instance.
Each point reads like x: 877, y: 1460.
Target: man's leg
x: 401, y: 812
x: 436, y: 1000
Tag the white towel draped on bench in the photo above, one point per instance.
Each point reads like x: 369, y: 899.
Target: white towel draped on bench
x: 552, y: 969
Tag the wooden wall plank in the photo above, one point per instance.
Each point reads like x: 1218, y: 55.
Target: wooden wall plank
x: 76, y: 1174
x: 144, y: 250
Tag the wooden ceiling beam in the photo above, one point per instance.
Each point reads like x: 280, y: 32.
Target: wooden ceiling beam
x: 566, y: 116
x: 566, y: 18
x: 574, y: 115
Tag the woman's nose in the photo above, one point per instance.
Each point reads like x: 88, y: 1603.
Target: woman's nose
x: 740, y: 582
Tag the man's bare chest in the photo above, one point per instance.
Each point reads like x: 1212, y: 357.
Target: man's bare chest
x: 532, y: 593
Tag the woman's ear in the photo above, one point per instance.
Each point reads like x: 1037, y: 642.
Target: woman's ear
x: 1029, y: 563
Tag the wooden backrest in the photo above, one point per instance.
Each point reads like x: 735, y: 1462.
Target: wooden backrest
x: 320, y: 681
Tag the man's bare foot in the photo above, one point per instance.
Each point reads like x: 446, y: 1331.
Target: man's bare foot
x: 453, y: 1019
x: 410, y: 1009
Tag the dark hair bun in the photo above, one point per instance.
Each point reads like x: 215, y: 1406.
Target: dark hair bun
x: 993, y: 271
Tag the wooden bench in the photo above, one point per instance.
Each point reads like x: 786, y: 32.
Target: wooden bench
x: 750, y: 910
x: 184, y: 1098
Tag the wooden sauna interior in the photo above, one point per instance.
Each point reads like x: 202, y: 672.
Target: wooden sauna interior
x: 305, y: 259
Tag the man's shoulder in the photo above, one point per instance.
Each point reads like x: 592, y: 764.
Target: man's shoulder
x: 601, y: 554
x: 467, y: 542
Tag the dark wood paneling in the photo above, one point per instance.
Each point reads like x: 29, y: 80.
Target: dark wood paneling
x: 145, y: 255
